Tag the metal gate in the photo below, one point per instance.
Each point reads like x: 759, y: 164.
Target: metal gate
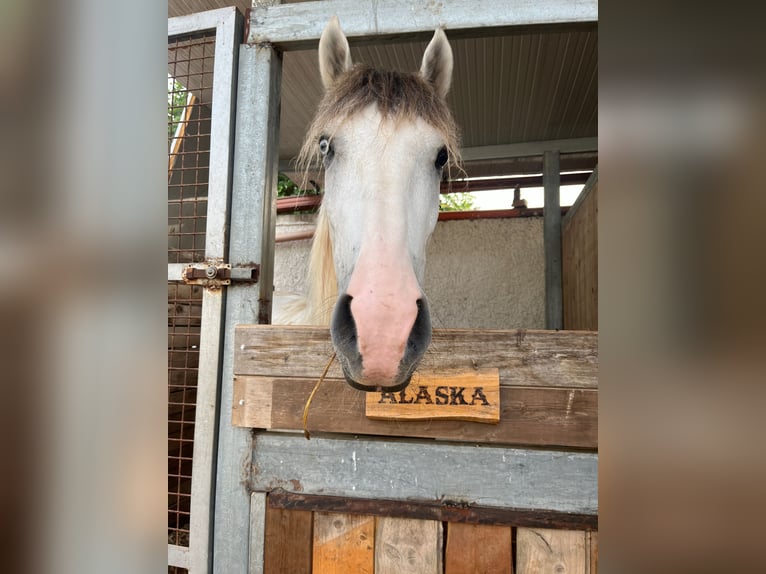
x: 202, y: 50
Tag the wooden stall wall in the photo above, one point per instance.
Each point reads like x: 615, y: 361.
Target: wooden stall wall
x: 428, y: 497
x: 302, y: 542
x: 579, y: 246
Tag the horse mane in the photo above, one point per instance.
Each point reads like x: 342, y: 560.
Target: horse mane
x: 323, y: 284
x: 398, y: 96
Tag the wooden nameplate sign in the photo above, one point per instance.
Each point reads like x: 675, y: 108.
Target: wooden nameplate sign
x: 467, y: 395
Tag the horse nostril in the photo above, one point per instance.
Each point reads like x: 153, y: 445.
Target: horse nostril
x: 344, y: 337
x: 343, y: 325
x: 420, y: 335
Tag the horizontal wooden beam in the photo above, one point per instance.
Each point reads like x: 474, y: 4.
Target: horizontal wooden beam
x: 468, y: 475
x: 299, y: 25
x: 432, y: 511
x: 529, y: 416
x: 531, y: 358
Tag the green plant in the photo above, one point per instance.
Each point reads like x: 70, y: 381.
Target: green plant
x: 456, y: 202
x: 287, y: 188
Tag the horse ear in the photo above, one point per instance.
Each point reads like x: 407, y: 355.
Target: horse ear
x: 334, y: 53
x: 436, y: 68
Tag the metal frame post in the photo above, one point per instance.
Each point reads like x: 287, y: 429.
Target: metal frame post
x: 554, y: 313
x: 228, y: 26
x: 252, y: 230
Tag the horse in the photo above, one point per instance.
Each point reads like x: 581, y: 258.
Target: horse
x: 383, y: 139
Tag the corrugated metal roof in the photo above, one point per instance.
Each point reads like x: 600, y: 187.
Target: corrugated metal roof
x: 525, y: 87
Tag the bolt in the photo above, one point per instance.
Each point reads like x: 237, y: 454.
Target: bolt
x: 211, y: 272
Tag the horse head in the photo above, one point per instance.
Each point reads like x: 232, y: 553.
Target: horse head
x: 383, y: 139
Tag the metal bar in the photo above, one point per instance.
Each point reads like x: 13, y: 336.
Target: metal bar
x: 227, y: 40
x: 178, y: 556
x: 526, y: 149
x: 299, y: 25
x: 403, y: 470
x: 193, y: 23
x: 472, y: 185
x: 228, y: 24
x: 257, y: 532
x: 175, y: 271
x: 252, y: 205
x: 554, y: 314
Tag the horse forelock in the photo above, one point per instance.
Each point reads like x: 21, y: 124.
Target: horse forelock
x: 397, y: 95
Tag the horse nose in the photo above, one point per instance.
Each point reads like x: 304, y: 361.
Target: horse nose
x: 381, y: 360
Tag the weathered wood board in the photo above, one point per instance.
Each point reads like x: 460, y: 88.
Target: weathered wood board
x: 591, y: 546
x: 460, y: 395
x: 544, y: 550
x: 527, y: 358
x: 528, y: 416
x: 343, y: 543
x: 409, y: 470
x: 579, y: 244
x: 404, y: 545
x: 548, y: 385
x: 433, y: 510
x: 479, y: 549
x: 288, y: 544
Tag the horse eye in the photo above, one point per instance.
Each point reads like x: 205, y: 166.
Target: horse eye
x: 324, y: 145
x: 441, y: 158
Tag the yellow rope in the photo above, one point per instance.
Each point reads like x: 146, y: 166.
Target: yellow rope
x: 306, y: 432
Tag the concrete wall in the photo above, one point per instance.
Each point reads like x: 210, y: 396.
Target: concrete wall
x: 483, y: 274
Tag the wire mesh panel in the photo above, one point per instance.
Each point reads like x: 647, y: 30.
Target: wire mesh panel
x: 190, y: 81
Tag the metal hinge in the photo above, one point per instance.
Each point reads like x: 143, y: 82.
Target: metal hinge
x: 214, y: 275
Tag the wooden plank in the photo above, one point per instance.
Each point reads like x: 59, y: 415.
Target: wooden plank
x: 252, y: 403
x: 532, y: 416
x: 579, y: 243
x: 288, y: 541
x: 544, y: 550
x: 257, y: 533
x: 407, y: 545
x: 501, y: 477
x: 591, y: 546
x: 524, y: 357
x: 343, y: 543
x: 443, y: 512
x: 478, y: 549
x: 459, y: 395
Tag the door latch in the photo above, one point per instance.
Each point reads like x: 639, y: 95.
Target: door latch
x: 214, y: 275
